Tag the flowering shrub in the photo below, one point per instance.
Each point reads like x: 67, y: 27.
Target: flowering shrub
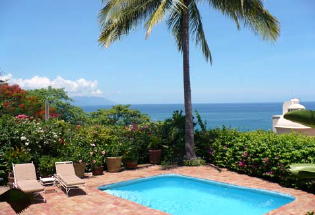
x: 86, y: 146
x: 46, y: 165
x: 25, y: 139
x: 15, y: 101
x: 258, y: 153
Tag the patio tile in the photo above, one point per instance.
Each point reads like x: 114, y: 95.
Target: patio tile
x: 96, y: 202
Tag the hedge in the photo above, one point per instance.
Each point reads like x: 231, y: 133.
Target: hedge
x: 257, y: 153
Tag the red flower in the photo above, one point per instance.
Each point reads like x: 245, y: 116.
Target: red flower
x: 6, y: 104
x: 54, y: 115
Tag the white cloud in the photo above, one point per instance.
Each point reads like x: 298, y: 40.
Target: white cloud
x: 79, y: 87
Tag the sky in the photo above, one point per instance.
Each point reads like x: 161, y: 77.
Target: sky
x: 54, y: 43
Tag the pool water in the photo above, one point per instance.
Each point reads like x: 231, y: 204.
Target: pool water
x: 183, y: 195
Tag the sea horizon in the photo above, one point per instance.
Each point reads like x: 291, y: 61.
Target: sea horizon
x: 241, y: 116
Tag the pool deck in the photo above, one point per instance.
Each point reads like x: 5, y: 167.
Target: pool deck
x: 96, y: 202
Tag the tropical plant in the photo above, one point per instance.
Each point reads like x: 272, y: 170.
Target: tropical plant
x: 61, y: 103
x: 258, y: 153
x: 155, y: 142
x: 172, y: 131
x: 131, y: 151
x: 120, y: 115
x: 194, y: 162
x: 72, y: 114
x: 115, y: 149
x: 15, y: 156
x: 15, y: 101
x: 46, y: 165
x: 119, y: 17
x: 50, y: 94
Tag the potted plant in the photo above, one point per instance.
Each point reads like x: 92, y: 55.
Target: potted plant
x: 79, y: 168
x: 97, y: 163
x: 113, y: 159
x: 79, y: 158
x: 155, y: 151
x: 78, y: 154
x: 131, y: 155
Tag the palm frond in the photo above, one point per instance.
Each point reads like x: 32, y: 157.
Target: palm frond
x: 175, y: 23
x: 252, y: 14
x: 196, y: 29
x: 120, y: 18
x: 157, y: 16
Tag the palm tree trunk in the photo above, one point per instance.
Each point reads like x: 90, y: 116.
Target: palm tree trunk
x: 189, y: 127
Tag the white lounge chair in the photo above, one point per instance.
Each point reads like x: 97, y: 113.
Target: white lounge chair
x: 66, y: 177
x: 25, y: 179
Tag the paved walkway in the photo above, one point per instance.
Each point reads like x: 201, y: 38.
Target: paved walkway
x: 96, y: 202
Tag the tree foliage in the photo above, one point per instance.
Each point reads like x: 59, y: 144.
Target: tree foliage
x: 120, y: 115
x: 15, y: 101
x: 61, y: 102
x: 120, y: 17
x: 53, y: 95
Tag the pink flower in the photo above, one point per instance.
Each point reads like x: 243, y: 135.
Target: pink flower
x: 103, y: 152
x: 21, y: 116
x: 241, y: 163
x: 245, y: 154
x: 94, y: 161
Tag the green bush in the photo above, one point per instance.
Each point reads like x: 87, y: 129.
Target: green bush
x: 258, y: 153
x: 305, y: 117
x: 172, y: 132
x: 120, y: 115
x: 46, y: 165
x: 194, y: 162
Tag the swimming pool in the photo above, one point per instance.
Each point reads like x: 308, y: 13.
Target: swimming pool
x: 184, y: 195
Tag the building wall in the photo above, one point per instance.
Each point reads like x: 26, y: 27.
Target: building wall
x: 275, y: 119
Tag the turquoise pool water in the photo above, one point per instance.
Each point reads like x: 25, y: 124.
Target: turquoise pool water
x: 183, y: 195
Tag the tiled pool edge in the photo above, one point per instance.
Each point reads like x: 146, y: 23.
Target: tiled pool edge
x: 276, y: 194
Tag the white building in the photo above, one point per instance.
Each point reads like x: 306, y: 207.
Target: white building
x: 280, y: 125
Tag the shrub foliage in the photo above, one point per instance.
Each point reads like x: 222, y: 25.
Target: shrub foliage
x: 121, y: 131
x: 257, y: 153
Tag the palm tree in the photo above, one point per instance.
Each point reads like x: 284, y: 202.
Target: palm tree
x: 119, y: 17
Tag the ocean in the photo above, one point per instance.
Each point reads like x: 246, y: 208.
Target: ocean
x: 242, y: 116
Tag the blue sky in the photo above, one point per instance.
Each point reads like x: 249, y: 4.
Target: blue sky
x: 55, y: 42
